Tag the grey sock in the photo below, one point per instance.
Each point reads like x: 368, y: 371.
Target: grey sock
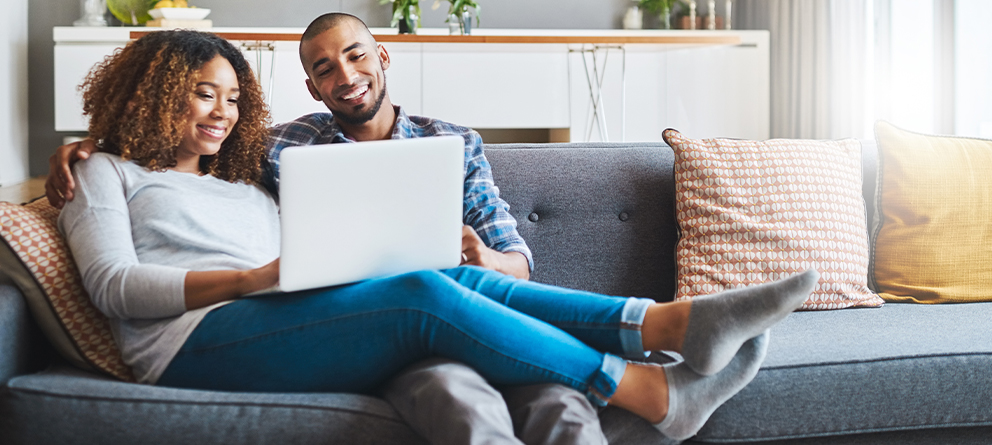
x: 693, y: 398
x: 720, y: 323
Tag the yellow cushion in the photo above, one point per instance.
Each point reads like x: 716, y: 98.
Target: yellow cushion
x: 933, y: 228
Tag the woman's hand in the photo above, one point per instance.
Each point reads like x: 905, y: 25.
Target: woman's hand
x: 213, y: 286
x: 266, y: 276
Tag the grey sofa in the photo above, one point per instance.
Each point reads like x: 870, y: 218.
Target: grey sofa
x: 598, y: 217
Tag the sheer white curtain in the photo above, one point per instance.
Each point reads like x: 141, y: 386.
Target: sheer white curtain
x: 819, y: 56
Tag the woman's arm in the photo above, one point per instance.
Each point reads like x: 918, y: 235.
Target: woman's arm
x: 97, y: 227
x: 205, y: 288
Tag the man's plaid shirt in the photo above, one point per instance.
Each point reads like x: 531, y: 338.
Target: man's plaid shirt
x: 483, y: 209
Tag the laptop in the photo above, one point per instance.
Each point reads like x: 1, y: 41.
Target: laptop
x: 351, y: 212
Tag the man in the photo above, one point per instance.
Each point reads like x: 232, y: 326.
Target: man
x: 444, y: 401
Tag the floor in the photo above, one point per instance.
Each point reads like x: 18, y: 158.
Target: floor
x: 24, y: 191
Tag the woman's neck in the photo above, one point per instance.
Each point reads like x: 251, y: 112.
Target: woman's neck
x: 188, y: 165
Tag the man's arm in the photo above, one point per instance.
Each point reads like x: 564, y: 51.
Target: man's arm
x: 59, y: 184
x: 491, y: 239
x: 475, y: 253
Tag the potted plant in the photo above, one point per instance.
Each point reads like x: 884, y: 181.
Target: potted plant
x: 661, y: 8
x: 406, y: 13
x: 459, y: 12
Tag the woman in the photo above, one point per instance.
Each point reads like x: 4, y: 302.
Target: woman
x: 170, y: 228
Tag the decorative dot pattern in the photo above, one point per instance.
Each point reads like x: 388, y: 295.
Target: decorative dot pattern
x: 32, y: 233
x: 750, y: 212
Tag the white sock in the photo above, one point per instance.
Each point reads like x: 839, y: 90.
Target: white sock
x: 720, y: 323
x: 692, y: 398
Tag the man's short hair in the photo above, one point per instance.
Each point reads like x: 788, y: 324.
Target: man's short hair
x: 328, y: 21
x: 325, y: 22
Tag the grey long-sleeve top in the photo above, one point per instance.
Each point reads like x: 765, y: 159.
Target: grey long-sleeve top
x: 135, y: 234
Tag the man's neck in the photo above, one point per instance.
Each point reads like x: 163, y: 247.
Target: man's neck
x: 379, y: 128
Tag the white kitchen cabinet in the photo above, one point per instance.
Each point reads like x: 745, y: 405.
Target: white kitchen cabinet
x: 513, y: 83
x: 496, y: 85
x: 704, y: 92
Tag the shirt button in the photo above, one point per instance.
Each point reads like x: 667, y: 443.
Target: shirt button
x: 533, y: 217
x: 624, y: 216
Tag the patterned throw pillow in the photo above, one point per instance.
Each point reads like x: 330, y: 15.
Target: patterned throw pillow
x: 750, y: 212
x: 35, y: 257
x: 933, y: 242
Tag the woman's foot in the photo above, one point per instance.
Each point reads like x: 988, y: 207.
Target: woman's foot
x: 719, y: 324
x: 692, y: 398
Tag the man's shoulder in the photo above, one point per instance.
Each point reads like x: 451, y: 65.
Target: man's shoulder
x: 428, y: 126
x: 312, y: 129
x: 313, y: 121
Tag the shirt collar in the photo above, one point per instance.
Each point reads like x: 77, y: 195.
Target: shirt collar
x: 403, y: 129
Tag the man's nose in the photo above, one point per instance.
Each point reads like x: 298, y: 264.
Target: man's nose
x: 348, y: 75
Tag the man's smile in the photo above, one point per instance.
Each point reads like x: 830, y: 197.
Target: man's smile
x: 355, y: 95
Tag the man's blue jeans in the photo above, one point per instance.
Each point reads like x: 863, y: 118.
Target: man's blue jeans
x: 352, y: 338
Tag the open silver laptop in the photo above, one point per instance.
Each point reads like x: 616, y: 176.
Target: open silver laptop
x: 351, y: 212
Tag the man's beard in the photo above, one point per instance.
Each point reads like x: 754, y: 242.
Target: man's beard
x: 362, y: 117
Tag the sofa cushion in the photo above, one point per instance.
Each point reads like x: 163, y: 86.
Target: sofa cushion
x: 35, y: 257
x: 933, y: 239
x: 66, y: 405
x: 899, y: 367
x: 750, y: 212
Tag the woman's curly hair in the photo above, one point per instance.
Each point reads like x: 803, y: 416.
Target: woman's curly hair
x: 138, y: 101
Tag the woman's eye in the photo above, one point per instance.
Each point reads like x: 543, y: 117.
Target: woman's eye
x: 233, y: 100
x: 205, y: 95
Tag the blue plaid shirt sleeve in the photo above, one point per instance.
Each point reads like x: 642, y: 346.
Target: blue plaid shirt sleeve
x: 484, y: 210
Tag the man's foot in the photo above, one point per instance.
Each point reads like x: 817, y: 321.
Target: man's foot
x: 720, y: 323
x: 693, y: 398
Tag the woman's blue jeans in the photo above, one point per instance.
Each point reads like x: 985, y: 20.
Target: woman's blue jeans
x: 352, y: 338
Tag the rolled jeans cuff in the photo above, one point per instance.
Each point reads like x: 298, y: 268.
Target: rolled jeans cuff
x: 605, y: 382
x: 631, y: 320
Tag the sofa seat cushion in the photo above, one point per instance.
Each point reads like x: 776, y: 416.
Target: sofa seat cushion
x: 65, y: 405
x: 898, y: 367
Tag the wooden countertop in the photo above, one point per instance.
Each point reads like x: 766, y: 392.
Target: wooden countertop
x: 686, y: 38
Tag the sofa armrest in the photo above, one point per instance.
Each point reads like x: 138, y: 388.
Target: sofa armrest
x: 22, y: 347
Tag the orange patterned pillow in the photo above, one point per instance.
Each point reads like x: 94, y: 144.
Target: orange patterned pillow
x: 750, y: 212
x: 35, y: 257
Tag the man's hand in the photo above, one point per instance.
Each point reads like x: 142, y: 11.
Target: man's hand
x: 475, y: 253
x: 59, y: 184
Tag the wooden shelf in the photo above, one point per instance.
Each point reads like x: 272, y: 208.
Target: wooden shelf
x: 605, y: 39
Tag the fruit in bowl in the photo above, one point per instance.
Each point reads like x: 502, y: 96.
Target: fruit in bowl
x: 131, y: 12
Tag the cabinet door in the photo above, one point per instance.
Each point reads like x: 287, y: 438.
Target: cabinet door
x: 617, y: 94
x: 495, y: 85
x: 721, y: 91
x: 72, y: 64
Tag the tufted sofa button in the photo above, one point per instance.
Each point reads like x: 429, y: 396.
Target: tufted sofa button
x: 533, y: 217
x: 624, y: 216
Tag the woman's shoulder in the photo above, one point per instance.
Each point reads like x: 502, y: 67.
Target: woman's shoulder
x: 101, y: 162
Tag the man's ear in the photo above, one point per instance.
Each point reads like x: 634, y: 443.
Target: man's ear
x: 313, y: 91
x: 383, y: 58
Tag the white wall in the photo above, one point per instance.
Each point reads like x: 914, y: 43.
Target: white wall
x: 973, y: 68
x: 14, y: 92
